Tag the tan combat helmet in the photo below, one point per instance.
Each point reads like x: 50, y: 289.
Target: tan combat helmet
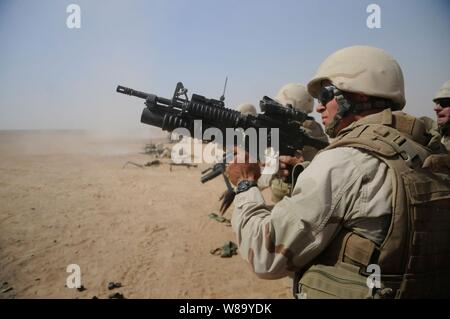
x: 247, y: 108
x: 362, y: 69
x: 296, y: 95
x: 444, y: 92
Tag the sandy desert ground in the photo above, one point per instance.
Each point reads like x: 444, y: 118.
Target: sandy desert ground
x: 65, y: 198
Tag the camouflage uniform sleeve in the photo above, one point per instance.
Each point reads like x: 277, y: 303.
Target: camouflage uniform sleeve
x: 265, y: 180
x: 276, y: 243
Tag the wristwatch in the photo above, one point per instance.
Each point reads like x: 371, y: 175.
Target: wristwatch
x: 245, y: 185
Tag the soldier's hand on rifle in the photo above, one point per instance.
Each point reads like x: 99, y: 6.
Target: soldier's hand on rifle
x: 286, y: 163
x: 243, y: 168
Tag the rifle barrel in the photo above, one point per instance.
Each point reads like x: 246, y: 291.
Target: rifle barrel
x: 129, y: 91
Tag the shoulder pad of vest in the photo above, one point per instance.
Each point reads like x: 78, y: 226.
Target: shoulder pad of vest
x: 384, y: 141
x: 414, y: 128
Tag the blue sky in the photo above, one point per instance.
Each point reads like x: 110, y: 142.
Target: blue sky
x: 53, y: 77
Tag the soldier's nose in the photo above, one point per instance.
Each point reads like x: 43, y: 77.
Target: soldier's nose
x: 320, y: 108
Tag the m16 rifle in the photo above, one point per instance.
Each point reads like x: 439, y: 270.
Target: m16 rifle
x: 180, y: 112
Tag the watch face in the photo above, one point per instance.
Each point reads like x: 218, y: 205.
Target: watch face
x: 241, y: 186
x: 244, y: 185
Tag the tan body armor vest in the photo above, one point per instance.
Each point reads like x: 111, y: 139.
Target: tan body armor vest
x: 414, y: 258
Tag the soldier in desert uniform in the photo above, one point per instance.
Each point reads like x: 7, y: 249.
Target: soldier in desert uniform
x: 364, y: 204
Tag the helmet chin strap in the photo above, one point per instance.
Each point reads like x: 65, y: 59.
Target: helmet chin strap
x: 344, y: 107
